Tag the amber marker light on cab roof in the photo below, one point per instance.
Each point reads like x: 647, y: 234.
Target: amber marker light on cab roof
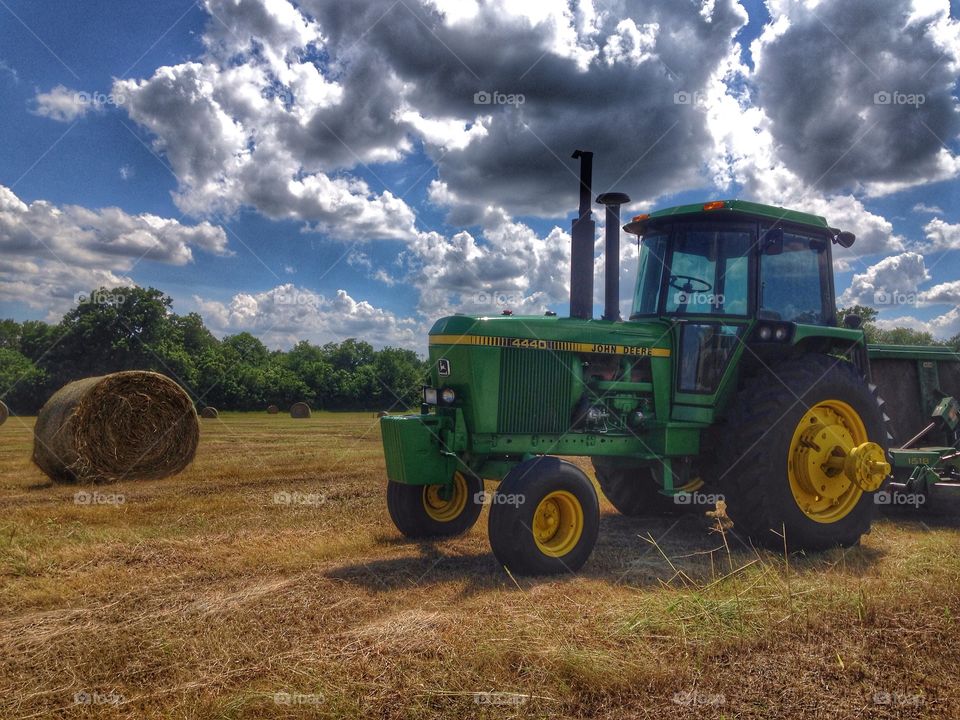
x: 715, y: 205
x: 640, y: 218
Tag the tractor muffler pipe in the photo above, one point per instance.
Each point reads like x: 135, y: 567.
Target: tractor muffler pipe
x: 582, y: 233
x: 611, y: 253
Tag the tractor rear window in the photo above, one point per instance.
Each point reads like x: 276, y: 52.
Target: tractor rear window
x: 790, y: 282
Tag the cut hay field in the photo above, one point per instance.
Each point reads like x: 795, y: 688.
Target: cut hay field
x: 267, y: 581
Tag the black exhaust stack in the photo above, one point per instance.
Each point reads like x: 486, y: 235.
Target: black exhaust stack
x: 611, y: 253
x: 581, y: 244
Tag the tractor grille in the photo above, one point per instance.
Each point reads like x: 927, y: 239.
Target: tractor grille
x: 534, y: 391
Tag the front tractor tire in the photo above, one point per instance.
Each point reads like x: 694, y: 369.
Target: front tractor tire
x: 806, y: 449
x: 421, y: 511
x: 544, y: 518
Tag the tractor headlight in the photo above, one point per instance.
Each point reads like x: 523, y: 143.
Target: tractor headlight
x: 779, y: 332
x: 430, y: 396
x: 448, y: 396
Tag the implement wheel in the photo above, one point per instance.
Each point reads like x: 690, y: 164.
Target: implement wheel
x: 435, y: 510
x: 806, y: 449
x: 544, y: 518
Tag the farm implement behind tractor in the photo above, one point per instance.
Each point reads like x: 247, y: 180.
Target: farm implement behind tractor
x: 731, y: 376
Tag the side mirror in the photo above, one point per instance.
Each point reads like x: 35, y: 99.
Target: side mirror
x: 845, y: 239
x: 772, y: 243
x: 853, y: 322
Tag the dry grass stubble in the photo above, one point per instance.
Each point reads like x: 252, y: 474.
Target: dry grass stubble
x: 267, y: 581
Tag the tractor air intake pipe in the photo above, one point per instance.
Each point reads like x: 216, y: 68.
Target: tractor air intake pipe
x: 611, y: 253
x: 582, y: 233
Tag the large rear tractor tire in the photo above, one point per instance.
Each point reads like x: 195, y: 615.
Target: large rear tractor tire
x: 421, y: 511
x: 544, y: 518
x: 634, y: 490
x: 805, y: 453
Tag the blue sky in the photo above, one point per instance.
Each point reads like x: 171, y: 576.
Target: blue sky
x: 362, y: 192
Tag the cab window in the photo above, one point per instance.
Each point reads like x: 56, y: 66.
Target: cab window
x: 709, y: 272
x: 791, y: 282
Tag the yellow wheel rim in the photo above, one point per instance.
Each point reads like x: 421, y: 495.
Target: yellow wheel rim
x: 691, y: 486
x: 827, y: 437
x: 558, y: 523
x: 445, y: 503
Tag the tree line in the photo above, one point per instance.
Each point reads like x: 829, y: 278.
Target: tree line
x: 894, y: 336
x: 133, y: 328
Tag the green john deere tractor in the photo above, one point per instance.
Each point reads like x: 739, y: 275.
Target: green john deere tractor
x: 730, y: 378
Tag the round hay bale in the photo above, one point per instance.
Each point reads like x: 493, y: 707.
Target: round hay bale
x: 4, y: 412
x: 300, y: 410
x: 382, y: 413
x: 209, y: 412
x: 126, y: 426
x: 272, y: 409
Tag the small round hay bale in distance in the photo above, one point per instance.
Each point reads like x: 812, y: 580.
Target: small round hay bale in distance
x: 272, y: 409
x: 4, y: 412
x: 300, y: 410
x: 209, y: 412
x: 126, y: 426
x: 382, y: 413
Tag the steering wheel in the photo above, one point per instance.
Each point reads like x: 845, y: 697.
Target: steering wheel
x: 688, y: 286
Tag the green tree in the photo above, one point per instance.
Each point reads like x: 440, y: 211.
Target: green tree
x: 10, y: 334
x: 37, y: 338
x: 21, y: 382
x: 905, y: 336
x: 399, y: 376
x: 246, y: 348
x: 125, y: 328
x: 349, y: 355
x: 879, y: 336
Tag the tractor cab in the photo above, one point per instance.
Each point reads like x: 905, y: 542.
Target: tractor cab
x: 728, y: 272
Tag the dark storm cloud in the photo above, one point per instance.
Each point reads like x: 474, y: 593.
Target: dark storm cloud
x: 623, y: 110
x: 857, y: 93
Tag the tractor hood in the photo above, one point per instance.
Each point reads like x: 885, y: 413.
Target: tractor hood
x: 554, y: 333
x: 533, y: 374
